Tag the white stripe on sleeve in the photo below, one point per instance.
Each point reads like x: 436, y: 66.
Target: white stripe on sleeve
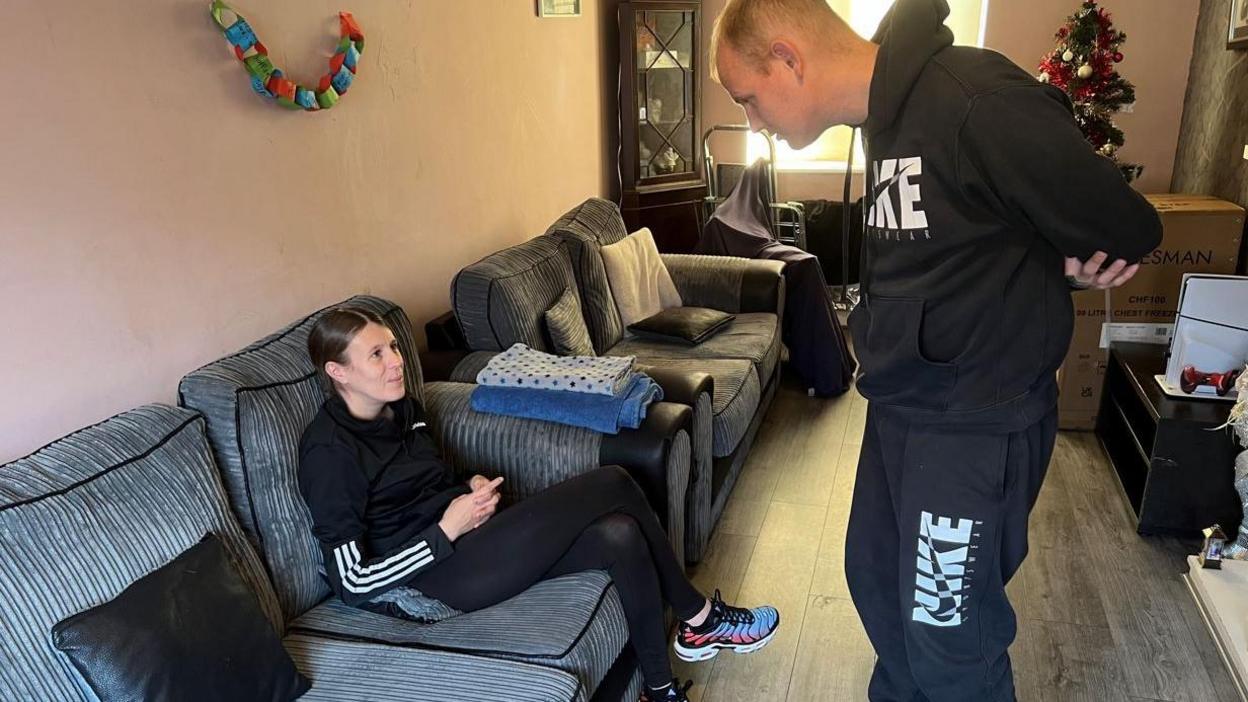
x: 363, y: 579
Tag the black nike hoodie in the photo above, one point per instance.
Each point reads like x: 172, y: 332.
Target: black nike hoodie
x: 979, y: 184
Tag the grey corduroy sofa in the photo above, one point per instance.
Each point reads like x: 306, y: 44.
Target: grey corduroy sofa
x: 257, y: 403
x: 91, y: 513
x: 728, y: 381
x: 117, y: 500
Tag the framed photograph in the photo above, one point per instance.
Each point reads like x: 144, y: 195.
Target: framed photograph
x: 1237, y: 35
x: 558, y: 8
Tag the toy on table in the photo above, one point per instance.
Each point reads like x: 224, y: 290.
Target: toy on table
x: 1223, y: 383
x: 268, y: 80
x: 1211, y: 551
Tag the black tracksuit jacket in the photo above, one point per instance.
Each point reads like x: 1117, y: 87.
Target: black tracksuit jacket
x: 376, y: 491
x: 979, y: 185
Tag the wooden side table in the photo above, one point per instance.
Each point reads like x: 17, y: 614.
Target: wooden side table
x: 1176, y: 473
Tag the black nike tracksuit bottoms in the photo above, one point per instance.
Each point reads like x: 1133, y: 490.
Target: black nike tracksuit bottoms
x: 599, y: 520
x: 937, y: 528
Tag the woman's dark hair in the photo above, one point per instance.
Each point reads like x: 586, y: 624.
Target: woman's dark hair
x: 332, y: 334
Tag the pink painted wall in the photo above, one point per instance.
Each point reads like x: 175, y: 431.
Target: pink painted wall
x: 156, y: 214
x: 1158, y: 51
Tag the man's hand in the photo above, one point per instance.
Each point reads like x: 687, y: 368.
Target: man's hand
x: 1087, y: 275
x: 477, y: 481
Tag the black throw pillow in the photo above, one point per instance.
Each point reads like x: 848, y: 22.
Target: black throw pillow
x: 690, y: 325
x: 190, y: 630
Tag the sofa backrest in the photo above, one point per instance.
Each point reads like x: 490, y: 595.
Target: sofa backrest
x: 257, y: 403
x: 502, y: 299
x: 84, y: 517
x: 586, y: 228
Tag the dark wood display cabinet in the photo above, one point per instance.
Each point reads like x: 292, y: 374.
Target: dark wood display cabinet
x: 662, y: 182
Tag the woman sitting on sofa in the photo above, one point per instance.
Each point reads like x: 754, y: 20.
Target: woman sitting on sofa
x: 388, y: 513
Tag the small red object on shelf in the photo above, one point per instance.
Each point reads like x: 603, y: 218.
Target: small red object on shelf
x: 1222, y: 383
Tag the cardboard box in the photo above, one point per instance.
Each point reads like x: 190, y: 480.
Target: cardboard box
x: 1080, y: 379
x: 1201, y: 234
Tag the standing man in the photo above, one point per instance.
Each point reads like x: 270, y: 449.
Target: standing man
x: 985, y: 206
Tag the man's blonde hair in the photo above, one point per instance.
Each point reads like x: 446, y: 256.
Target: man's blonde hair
x: 749, y: 27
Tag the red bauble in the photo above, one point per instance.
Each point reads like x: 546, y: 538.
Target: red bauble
x: 1117, y: 57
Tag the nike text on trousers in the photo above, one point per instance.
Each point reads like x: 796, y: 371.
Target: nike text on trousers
x: 938, y: 527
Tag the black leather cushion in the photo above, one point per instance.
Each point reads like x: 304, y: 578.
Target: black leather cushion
x: 566, y: 326
x: 691, y: 325
x: 190, y: 630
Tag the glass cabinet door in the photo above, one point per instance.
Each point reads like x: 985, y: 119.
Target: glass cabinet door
x: 665, y: 92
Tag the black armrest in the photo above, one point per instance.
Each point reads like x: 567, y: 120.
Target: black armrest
x: 680, y: 386
x: 439, y: 365
x: 442, y: 333
x: 761, y: 290
x: 643, y: 451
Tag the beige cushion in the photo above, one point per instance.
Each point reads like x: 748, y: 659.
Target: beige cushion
x: 640, y: 283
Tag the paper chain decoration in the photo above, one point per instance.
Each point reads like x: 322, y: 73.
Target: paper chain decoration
x: 268, y: 80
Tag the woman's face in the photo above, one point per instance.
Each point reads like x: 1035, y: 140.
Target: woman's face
x: 374, y: 368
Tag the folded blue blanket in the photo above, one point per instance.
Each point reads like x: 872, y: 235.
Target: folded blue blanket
x: 602, y: 413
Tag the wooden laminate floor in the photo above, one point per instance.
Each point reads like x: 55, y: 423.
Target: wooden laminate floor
x: 1104, y: 615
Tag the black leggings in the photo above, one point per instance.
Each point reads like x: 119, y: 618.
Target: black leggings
x: 598, y: 520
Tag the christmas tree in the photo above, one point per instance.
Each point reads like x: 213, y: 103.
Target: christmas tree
x: 1082, y: 64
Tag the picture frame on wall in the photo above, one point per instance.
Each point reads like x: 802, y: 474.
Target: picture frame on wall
x: 1237, y: 33
x: 558, y: 8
